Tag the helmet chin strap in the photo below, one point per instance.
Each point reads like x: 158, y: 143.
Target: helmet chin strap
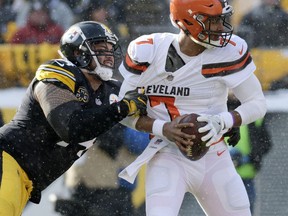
x: 206, y: 45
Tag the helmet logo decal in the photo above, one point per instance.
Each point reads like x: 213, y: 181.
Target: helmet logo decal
x: 82, y: 94
x: 106, y: 28
x: 72, y: 35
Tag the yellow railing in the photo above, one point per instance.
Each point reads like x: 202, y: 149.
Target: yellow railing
x: 271, y: 65
x: 19, y: 63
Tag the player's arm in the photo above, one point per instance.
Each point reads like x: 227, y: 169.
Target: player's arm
x: 253, y: 107
x: 75, y: 124
x: 169, y: 130
x: 253, y: 103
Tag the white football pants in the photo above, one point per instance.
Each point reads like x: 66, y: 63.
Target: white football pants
x: 213, y: 181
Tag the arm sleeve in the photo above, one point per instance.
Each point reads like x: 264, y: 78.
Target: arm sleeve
x: 253, y: 103
x: 127, y: 86
x: 75, y: 125
x: 70, y: 121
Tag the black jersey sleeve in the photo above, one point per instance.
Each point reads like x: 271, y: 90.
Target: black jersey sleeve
x: 75, y: 125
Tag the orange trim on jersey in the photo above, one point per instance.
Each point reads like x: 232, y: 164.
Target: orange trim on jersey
x: 232, y: 42
x: 226, y: 68
x: 136, y: 67
x: 148, y: 41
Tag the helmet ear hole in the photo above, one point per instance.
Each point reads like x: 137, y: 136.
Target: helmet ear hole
x: 83, y: 59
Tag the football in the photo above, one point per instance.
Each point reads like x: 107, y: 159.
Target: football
x: 198, y: 149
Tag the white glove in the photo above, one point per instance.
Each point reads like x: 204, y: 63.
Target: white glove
x: 216, y: 126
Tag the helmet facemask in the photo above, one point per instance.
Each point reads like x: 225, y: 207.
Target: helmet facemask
x: 209, y: 38
x: 104, y: 72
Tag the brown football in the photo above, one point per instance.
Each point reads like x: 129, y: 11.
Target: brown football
x: 198, y: 149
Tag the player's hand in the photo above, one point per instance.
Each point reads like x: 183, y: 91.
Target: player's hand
x: 215, y: 127
x: 173, y: 132
x: 233, y: 136
x: 136, y: 102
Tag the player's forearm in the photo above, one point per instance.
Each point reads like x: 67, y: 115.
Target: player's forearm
x: 145, y: 124
x: 70, y: 121
x: 253, y: 103
x: 82, y: 125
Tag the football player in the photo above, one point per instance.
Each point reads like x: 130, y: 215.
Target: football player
x: 191, y: 72
x: 72, y: 99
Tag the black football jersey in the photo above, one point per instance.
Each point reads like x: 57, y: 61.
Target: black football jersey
x: 31, y: 140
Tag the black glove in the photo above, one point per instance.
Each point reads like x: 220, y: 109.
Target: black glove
x: 136, y: 103
x: 233, y: 136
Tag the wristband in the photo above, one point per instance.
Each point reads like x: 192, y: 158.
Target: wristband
x: 157, y: 128
x: 227, y: 119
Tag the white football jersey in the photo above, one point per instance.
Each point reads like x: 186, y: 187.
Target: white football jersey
x: 177, y: 84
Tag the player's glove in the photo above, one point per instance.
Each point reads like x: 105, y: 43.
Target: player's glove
x: 136, y: 103
x: 216, y: 126
x: 233, y: 136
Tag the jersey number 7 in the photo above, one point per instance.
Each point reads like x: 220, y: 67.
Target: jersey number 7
x: 169, y: 103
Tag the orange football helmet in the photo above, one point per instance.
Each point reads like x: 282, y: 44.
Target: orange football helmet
x: 191, y: 16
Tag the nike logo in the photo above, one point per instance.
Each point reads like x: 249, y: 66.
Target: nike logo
x: 219, y: 153
x: 60, y: 64
x: 241, y: 51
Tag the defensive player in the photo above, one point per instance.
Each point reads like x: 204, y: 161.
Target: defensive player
x: 191, y: 72
x: 72, y: 100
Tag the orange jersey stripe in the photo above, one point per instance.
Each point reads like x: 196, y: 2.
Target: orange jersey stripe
x: 148, y: 41
x: 226, y: 68
x: 133, y: 66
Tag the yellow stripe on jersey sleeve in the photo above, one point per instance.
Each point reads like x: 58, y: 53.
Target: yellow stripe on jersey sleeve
x: 53, y: 72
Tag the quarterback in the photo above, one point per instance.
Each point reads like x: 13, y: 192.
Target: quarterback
x: 192, y: 72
